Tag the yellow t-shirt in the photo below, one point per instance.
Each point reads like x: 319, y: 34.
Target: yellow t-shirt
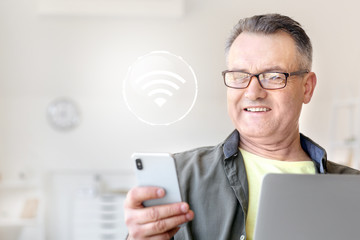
x: 256, y: 168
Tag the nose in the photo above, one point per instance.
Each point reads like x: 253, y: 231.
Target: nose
x: 254, y: 91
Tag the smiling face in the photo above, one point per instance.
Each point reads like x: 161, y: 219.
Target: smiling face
x: 260, y: 113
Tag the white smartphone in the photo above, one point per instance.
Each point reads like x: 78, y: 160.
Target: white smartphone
x: 159, y: 170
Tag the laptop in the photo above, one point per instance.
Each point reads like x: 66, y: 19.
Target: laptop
x: 309, y: 207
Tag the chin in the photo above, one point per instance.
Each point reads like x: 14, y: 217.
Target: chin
x: 255, y: 132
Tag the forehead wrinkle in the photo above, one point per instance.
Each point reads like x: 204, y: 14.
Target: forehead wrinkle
x: 256, y: 64
x: 258, y: 67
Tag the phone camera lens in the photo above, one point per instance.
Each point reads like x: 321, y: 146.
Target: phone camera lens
x: 139, y: 164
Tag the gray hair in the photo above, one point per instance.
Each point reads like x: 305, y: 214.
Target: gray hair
x: 270, y: 24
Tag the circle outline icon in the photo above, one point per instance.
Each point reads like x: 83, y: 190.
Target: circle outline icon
x: 160, y: 102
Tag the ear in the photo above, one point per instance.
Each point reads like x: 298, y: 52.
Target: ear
x: 309, y: 86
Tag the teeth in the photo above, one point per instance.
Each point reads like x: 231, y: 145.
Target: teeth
x: 257, y: 109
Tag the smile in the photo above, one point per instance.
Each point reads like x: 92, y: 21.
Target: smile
x: 257, y: 109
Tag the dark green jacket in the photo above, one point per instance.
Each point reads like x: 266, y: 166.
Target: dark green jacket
x: 213, y: 181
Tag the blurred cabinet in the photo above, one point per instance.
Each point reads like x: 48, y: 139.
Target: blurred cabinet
x: 21, y: 210
x: 87, y: 205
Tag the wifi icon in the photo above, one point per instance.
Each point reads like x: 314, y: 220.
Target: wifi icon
x: 160, y: 85
x: 160, y: 88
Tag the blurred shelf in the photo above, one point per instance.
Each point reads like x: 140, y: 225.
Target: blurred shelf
x: 19, y: 184
x: 18, y: 222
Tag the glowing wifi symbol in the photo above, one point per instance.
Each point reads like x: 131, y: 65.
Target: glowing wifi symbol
x: 154, y: 83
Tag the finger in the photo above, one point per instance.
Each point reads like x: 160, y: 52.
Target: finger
x: 166, y: 225
x: 167, y: 235
x: 155, y: 213
x: 137, y: 195
x: 162, y: 236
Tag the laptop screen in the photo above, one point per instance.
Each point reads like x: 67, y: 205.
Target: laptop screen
x: 309, y: 207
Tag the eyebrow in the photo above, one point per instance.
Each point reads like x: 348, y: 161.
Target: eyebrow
x: 274, y: 68
x: 268, y: 69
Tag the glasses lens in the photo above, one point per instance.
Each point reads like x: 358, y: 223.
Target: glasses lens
x: 237, y: 79
x: 273, y: 80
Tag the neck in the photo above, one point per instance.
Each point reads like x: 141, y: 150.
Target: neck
x: 284, y: 149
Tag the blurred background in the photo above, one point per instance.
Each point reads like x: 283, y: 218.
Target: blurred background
x: 66, y: 133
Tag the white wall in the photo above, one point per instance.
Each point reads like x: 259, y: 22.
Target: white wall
x: 86, y: 58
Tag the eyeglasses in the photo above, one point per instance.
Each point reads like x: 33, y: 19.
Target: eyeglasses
x: 267, y: 80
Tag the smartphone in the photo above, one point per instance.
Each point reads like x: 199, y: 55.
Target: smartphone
x: 159, y: 170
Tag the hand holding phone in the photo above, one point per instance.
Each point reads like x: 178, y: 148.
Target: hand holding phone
x: 152, y: 171
x: 161, y: 221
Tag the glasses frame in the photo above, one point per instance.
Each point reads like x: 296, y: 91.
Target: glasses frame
x: 287, y: 75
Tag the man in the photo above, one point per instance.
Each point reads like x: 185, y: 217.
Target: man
x: 269, y: 78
